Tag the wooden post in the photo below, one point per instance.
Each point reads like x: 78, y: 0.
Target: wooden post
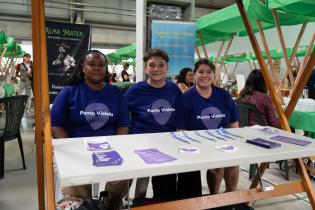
x: 219, y: 53
x: 263, y: 67
x: 264, y: 41
x: 272, y: 69
x: 197, y: 51
x: 300, y: 83
x: 202, y: 44
x: 302, y: 67
x: 297, y: 43
x: 42, y: 110
x: 284, y: 50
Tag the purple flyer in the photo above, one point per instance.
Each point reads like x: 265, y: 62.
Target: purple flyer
x: 98, y: 143
x: 151, y: 156
x: 291, y: 140
x: 111, y: 158
x: 266, y: 130
x: 263, y: 143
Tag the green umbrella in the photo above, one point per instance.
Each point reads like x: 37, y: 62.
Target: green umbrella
x: 229, y: 20
x: 237, y: 58
x: 127, y: 52
x: 113, y: 58
x: 299, y: 7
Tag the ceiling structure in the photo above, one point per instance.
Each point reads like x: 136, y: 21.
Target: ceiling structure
x: 113, y: 21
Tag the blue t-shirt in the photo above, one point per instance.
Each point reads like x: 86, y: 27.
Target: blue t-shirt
x: 82, y: 111
x: 197, y: 113
x: 152, y: 109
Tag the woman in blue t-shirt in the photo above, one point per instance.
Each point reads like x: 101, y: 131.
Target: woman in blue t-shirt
x: 152, y: 106
x: 90, y: 106
x: 206, y: 106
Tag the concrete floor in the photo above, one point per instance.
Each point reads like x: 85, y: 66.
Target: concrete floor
x: 18, y: 189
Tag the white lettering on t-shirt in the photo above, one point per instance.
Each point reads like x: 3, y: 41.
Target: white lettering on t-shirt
x: 210, y: 116
x: 161, y: 110
x: 96, y: 113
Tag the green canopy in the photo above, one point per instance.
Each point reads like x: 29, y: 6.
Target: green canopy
x: 277, y: 53
x: 299, y: 7
x: 229, y: 20
x: 3, y: 38
x: 237, y: 58
x: 113, y: 58
x: 209, y: 36
x: 301, y: 51
x: 127, y: 52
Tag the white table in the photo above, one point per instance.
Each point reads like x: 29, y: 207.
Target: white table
x: 74, y: 162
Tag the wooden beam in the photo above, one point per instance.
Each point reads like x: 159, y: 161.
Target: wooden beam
x: 302, y: 67
x: 37, y: 104
x: 300, y: 83
x: 284, y: 50
x: 42, y: 111
x: 197, y: 51
x: 219, y: 53
x: 224, y: 56
x: 297, y: 43
x: 264, y: 41
x: 306, y: 181
x: 272, y: 68
x: 212, y: 201
x: 202, y: 44
x: 263, y: 67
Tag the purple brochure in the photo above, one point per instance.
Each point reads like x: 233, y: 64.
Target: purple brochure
x: 98, y: 145
x: 291, y: 140
x: 266, y: 130
x: 111, y: 158
x: 152, y: 155
x: 263, y: 143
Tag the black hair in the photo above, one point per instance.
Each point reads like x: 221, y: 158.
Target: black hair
x: 155, y: 52
x: 182, y: 76
x: 254, y: 82
x: 78, y: 75
x: 206, y: 62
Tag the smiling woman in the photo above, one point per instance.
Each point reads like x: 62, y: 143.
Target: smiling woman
x: 206, y: 106
x: 90, y: 106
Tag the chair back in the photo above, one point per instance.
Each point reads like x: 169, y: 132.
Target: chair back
x: 245, y: 108
x: 14, y: 109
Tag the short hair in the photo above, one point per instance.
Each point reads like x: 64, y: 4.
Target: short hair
x: 27, y: 55
x: 206, y: 62
x: 155, y: 52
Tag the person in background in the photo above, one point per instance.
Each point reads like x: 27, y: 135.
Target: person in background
x: 74, y: 114
x: 24, y: 72
x: 185, y: 79
x: 255, y: 92
x: 311, y: 85
x: 152, y: 106
x: 124, y: 73
x: 196, y: 105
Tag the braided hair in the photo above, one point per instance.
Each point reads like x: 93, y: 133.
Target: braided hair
x: 78, y: 75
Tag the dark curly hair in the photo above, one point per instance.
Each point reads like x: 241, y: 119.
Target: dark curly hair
x: 78, y: 75
x: 155, y: 52
x: 254, y: 82
x: 182, y: 76
x: 206, y: 62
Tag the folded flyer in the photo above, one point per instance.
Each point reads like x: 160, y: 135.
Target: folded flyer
x: 97, y: 144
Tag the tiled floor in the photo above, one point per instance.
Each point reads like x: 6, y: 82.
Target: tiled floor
x: 18, y: 189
